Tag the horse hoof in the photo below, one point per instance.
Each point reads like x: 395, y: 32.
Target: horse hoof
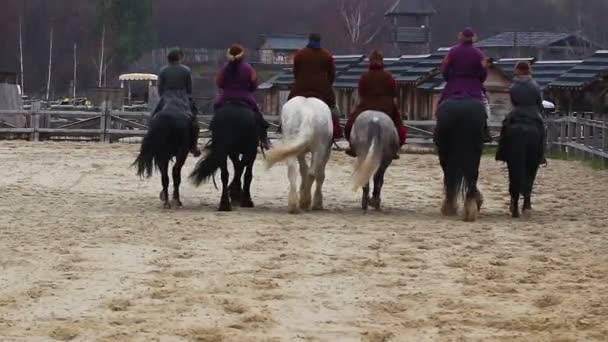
x: 177, y: 203
x: 293, y: 211
x: 480, y: 201
x: 375, y: 203
x: 163, y: 196
x: 247, y: 203
x: 166, y: 205
x: 448, y: 209
x: 225, y: 207
x: 471, y: 212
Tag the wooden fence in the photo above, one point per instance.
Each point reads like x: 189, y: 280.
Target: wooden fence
x: 582, y: 135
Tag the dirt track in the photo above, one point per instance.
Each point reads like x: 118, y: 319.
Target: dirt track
x: 86, y: 254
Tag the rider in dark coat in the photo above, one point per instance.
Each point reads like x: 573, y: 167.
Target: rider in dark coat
x: 527, y: 101
x: 314, y: 71
x: 175, y: 81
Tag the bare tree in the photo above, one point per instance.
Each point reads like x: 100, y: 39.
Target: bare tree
x: 360, y: 19
x: 21, y: 53
x: 48, y: 82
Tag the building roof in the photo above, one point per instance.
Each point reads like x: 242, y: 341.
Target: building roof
x: 545, y: 72
x: 526, y: 39
x: 424, y: 68
x: 581, y: 75
x: 289, y: 42
x: 411, y: 7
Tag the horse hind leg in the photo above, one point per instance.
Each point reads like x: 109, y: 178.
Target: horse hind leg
x: 164, y: 193
x: 376, y: 200
x: 177, y: 178
x: 319, y: 176
x: 365, y: 198
x: 235, y: 188
x: 246, y: 201
x: 305, y: 187
x: 225, y: 204
x: 292, y: 174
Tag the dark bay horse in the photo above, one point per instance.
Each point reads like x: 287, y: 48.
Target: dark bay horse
x: 233, y: 134
x: 523, y: 148
x: 169, y: 136
x: 459, y: 141
x: 375, y: 141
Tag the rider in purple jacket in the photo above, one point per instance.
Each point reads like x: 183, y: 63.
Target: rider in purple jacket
x: 465, y: 70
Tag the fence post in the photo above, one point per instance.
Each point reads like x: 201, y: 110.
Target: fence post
x: 35, y: 121
x: 104, y: 119
x: 605, y: 143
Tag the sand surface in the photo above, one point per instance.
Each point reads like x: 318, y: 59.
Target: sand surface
x: 87, y: 254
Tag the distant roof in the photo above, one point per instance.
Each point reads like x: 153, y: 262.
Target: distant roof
x: 138, y: 77
x: 545, y: 72
x: 284, y: 41
x: 416, y: 7
x: 424, y: 68
x: 526, y: 39
x: 584, y: 73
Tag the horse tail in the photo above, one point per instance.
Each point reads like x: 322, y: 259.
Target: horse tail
x: 297, y: 146
x: 155, y: 147
x: 217, y: 154
x: 368, y: 164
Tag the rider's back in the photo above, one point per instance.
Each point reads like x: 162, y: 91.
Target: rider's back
x: 314, y: 73
x: 464, y: 72
x: 175, y: 77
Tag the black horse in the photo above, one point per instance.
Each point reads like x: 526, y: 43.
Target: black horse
x: 233, y: 134
x: 523, y: 148
x: 169, y: 136
x: 459, y: 141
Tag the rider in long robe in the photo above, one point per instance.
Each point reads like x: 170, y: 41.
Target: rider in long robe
x: 314, y: 71
x: 527, y: 101
x: 465, y: 70
x: 175, y: 83
x: 377, y: 91
x: 238, y: 82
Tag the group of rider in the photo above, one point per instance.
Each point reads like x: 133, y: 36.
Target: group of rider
x: 464, y: 70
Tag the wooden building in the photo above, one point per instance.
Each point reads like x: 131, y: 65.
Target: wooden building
x: 410, y: 22
x: 280, y: 48
x: 584, y: 87
x: 540, y: 45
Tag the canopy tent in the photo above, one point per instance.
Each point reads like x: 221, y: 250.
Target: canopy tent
x: 136, y: 77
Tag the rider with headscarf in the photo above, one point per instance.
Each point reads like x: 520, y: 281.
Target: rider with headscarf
x: 465, y: 70
x: 314, y: 71
x: 238, y: 82
x: 175, y: 81
x: 377, y: 91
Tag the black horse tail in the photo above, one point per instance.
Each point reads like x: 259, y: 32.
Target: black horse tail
x: 222, y: 138
x: 155, y: 146
x: 523, y: 141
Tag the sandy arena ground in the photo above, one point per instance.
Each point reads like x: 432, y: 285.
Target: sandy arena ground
x: 87, y: 254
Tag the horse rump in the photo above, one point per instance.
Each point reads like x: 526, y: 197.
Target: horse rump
x: 160, y: 143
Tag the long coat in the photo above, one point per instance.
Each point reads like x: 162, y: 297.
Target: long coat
x: 315, y: 72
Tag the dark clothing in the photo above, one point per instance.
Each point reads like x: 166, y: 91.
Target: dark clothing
x: 175, y: 85
x: 377, y: 91
x: 464, y: 71
x: 527, y: 101
x: 314, y: 71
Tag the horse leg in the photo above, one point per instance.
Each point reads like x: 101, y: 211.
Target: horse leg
x: 305, y: 187
x: 177, y: 177
x: 473, y: 196
x: 448, y: 207
x: 164, y: 193
x: 532, y: 172
x: 319, y: 163
x: 225, y: 201
x: 516, y: 179
x: 246, y: 201
x: 376, y: 200
x: 292, y: 174
x: 365, y: 197
x: 235, y: 188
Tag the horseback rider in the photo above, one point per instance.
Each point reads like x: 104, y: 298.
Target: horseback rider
x: 175, y: 81
x: 465, y: 70
x: 314, y: 71
x: 377, y: 91
x: 527, y: 101
x: 238, y: 82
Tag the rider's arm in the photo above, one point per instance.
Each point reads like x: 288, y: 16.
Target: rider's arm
x: 254, y: 80
x: 446, y: 67
x: 484, y: 68
x: 219, y: 79
x: 332, y: 69
x: 161, y: 83
x: 189, y: 84
x: 296, y: 64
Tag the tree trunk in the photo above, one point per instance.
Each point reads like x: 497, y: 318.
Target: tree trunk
x: 48, y: 82
x: 75, y: 68
x: 101, y: 55
x: 21, y: 53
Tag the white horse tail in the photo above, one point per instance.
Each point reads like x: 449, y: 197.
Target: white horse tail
x: 297, y: 146
x: 368, y: 164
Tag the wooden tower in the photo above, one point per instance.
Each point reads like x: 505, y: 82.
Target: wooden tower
x: 411, y: 25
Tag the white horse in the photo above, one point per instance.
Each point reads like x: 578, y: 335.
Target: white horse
x: 375, y: 141
x: 307, y: 128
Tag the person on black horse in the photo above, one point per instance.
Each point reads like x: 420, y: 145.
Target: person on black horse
x: 175, y: 81
x: 527, y: 101
x: 238, y: 82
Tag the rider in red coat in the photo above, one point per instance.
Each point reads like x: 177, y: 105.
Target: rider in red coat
x: 378, y: 92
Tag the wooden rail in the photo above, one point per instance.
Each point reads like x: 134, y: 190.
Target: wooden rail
x: 582, y: 135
